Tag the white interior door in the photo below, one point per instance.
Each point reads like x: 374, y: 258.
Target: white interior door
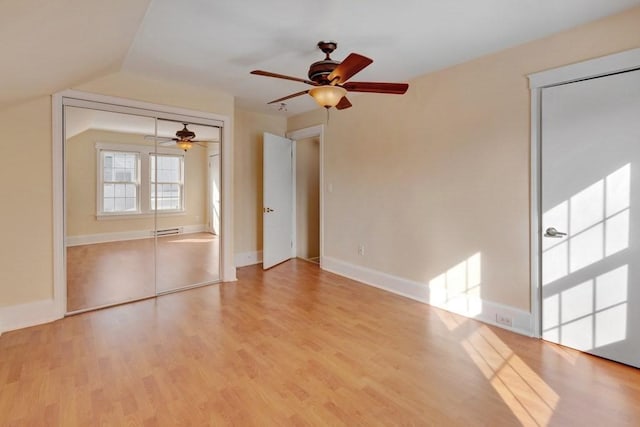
x: 591, y: 191
x: 277, y: 216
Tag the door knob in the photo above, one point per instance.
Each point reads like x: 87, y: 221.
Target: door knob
x: 552, y: 232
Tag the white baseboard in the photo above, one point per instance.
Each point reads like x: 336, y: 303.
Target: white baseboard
x: 244, y: 259
x: 483, y: 310
x: 89, y: 239
x: 30, y: 314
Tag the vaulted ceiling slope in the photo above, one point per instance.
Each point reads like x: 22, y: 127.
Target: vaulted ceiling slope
x: 48, y: 46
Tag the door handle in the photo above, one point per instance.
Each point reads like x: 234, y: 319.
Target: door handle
x: 552, y: 232
x: 267, y: 210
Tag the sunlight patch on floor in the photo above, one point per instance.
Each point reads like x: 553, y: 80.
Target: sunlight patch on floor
x: 530, y: 399
x: 450, y: 320
x: 566, y: 353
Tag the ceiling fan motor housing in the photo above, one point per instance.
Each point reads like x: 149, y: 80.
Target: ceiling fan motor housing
x: 185, y: 133
x: 318, y: 71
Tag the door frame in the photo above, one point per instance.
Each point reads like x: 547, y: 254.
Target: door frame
x: 210, y: 201
x: 297, y: 135
x: 227, y: 263
x: 589, y: 69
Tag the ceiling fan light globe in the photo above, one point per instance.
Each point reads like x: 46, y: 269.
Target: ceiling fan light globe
x: 328, y: 96
x: 184, y: 145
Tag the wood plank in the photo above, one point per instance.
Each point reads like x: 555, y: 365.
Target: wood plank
x: 110, y: 273
x: 298, y: 346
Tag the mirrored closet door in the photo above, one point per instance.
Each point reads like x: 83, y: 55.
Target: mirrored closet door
x: 188, y: 242
x: 140, y: 206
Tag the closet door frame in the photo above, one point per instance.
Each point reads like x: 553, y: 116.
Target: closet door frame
x: 127, y: 106
x: 593, y: 68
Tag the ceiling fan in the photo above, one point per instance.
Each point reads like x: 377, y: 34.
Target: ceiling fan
x: 329, y: 78
x: 184, y: 139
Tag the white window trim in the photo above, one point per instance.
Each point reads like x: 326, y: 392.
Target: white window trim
x: 144, y: 180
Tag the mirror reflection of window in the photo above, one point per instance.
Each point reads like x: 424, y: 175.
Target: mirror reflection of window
x: 138, y: 207
x: 120, y: 181
x: 167, y: 180
x: 109, y: 228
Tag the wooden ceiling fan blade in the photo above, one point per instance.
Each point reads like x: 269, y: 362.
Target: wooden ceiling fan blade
x: 374, y: 87
x: 284, y: 98
x: 344, y: 103
x: 354, y: 63
x: 282, y: 76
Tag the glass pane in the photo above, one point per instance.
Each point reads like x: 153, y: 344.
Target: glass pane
x: 108, y: 190
x: 130, y: 204
x: 120, y: 190
x: 112, y: 269
x: 189, y: 255
x: 124, y: 172
x: 130, y: 190
x: 119, y: 204
x: 168, y: 177
x: 120, y: 166
x: 168, y: 168
x: 108, y: 204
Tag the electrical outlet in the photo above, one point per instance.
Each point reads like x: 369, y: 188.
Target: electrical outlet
x: 501, y: 319
x: 360, y: 249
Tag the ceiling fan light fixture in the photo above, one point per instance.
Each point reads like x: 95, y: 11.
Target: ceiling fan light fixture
x: 184, y: 144
x: 328, y: 96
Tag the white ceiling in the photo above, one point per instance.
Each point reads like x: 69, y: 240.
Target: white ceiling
x: 216, y: 43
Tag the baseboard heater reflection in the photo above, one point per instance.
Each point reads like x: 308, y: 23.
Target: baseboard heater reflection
x: 167, y: 232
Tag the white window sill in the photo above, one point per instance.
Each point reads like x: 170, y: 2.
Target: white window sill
x: 137, y: 215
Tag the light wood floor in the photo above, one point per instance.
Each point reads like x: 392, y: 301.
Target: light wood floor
x: 109, y: 273
x: 299, y: 346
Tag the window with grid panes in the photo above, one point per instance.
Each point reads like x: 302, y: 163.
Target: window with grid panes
x: 120, y: 181
x: 167, y: 182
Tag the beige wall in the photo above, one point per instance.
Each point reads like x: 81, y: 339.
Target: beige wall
x: 26, y: 253
x: 26, y: 264
x: 424, y: 180
x: 428, y: 179
x: 249, y: 128
x: 141, y: 88
x: 308, y: 198
x: 81, y: 187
